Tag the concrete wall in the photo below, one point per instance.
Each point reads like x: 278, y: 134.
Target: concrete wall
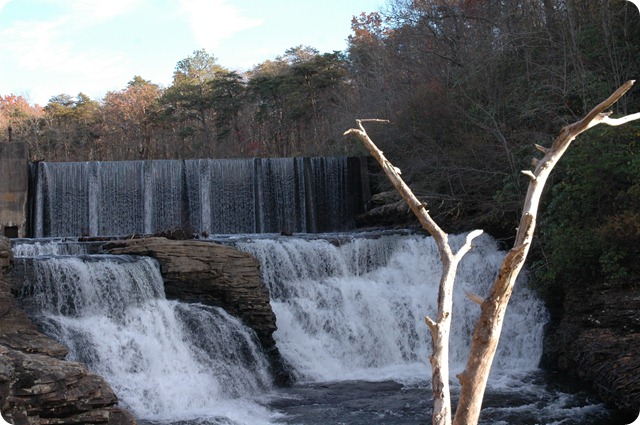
x: 14, y: 185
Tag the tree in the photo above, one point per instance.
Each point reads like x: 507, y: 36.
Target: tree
x: 228, y: 95
x: 295, y: 99
x: 128, y: 117
x: 192, y: 99
x: 469, y: 85
x: 72, y: 127
x: 21, y: 122
x: 493, y: 308
x: 200, y: 67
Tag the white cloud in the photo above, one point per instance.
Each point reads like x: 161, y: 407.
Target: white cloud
x: 46, y: 45
x: 45, y: 56
x: 3, y: 4
x: 214, y: 20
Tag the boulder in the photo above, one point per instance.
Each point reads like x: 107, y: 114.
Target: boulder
x: 216, y: 275
x: 389, y: 209
x: 17, y: 331
x: 38, y: 389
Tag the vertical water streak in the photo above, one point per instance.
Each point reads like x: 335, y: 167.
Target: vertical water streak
x: 199, y: 190
x: 281, y: 198
x: 232, y: 196
x: 37, y: 213
x: 63, y: 199
x: 166, y: 190
x: 331, y: 191
x: 263, y: 195
x: 119, y: 198
x: 94, y: 200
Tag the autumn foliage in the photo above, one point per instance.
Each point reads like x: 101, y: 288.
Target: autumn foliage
x: 468, y: 86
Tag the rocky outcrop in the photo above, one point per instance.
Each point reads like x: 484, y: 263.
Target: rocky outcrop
x: 596, y: 336
x: 36, y: 385
x: 216, y: 275
x: 38, y: 389
x: 386, y: 209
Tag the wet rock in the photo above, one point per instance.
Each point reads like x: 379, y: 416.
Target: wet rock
x: 39, y: 389
x: 386, y: 209
x: 6, y: 256
x: 36, y: 385
x: 597, y: 338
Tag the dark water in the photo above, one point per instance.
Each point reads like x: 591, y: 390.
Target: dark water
x: 536, y: 401
x: 361, y: 403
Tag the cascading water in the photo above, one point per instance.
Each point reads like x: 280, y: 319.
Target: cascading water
x: 34, y: 247
x: 356, y: 310
x: 166, y: 360
x: 205, y: 196
x: 350, y: 311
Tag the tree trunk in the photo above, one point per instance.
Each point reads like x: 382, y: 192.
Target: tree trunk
x: 440, y: 329
x: 489, y: 326
x: 487, y: 331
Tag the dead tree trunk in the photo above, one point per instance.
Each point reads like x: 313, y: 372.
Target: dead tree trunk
x: 441, y: 327
x: 487, y: 331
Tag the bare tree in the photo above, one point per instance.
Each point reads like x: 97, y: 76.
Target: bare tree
x: 489, y: 326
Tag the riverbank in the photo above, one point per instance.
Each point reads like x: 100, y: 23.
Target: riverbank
x: 37, y: 386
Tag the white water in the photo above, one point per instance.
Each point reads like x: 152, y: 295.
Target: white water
x: 165, y: 360
x: 356, y: 311
x: 348, y: 310
x: 30, y: 248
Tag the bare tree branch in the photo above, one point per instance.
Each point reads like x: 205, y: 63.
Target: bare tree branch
x: 489, y: 326
x: 441, y: 327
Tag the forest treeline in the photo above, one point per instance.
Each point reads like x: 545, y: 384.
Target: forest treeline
x: 469, y: 87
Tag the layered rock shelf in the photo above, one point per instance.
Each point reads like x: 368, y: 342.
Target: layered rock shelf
x: 597, y: 338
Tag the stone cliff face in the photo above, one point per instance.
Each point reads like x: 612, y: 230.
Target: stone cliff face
x: 216, y: 275
x: 36, y: 385
x: 596, y: 336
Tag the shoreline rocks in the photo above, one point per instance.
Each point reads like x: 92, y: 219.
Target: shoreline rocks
x: 596, y: 337
x: 36, y: 385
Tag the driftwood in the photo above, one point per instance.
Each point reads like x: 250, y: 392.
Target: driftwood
x: 487, y: 331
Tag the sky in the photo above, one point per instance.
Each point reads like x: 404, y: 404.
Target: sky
x: 52, y: 47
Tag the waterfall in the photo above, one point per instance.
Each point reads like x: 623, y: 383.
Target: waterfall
x: 34, y: 247
x: 354, y: 308
x: 203, y: 196
x: 350, y: 308
x: 166, y: 360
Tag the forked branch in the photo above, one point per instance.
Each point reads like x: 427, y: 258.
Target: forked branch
x: 440, y: 327
x: 489, y: 326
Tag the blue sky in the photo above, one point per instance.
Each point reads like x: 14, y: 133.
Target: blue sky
x: 50, y: 47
